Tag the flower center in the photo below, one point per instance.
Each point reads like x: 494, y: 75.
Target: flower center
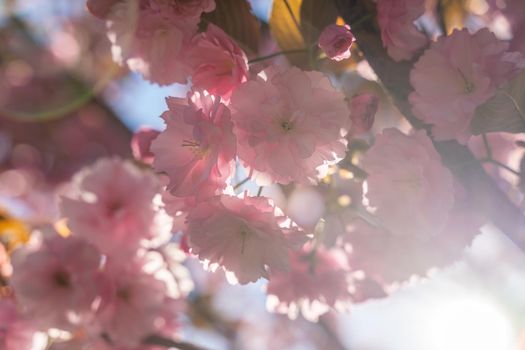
x: 244, y: 232
x: 469, y: 86
x: 195, y: 148
x: 124, y: 294
x: 286, y: 126
x: 61, y: 279
x: 412, y: 183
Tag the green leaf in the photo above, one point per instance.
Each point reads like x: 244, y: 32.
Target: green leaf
x: 505, y: 111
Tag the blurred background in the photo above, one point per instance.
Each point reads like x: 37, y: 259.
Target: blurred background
x: 64, y: 104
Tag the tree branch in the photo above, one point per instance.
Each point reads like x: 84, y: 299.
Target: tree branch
x: 484, y: 195
x: 168, y: 343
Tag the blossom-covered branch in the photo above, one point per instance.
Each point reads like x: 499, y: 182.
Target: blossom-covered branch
x: 484, y: 195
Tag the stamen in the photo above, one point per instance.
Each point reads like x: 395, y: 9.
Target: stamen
x: 469, y: 87
x: 244, y: 233
x: 190, y: 143
x: 286, y: 126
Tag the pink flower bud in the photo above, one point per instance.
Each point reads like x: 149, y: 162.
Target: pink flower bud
x: 336, y: 41
x: 363, y: 108
x: 141, y: 143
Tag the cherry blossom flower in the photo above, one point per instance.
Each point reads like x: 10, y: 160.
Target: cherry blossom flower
x: 386, y: 257
x: 198, y: 147
x: 5, y: 265
x: 400, y: 36
x: 363, y: 108
x: 457, y: 74
x: 410, y: 189
x: 141, y: 144
x: 246, y: 237
x: 184, y: 8
x: 336, y: 41
x: 151, y: 37
x: 137, y: 300
x: 218, y: 63
x: 318, y: 280
x: 15, y: 332
x: 289, y: 124
x: 56, y: 280
x: 116, y: 206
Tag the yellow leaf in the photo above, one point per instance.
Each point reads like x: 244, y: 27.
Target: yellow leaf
x: 285, y: 20
x: 454, y: 12
x: 13, y: 232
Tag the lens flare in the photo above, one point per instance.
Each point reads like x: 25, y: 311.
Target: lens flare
x: 470, y: 323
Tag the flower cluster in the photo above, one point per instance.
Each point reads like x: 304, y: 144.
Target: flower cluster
x: 417, y: 207
x: 160, y: 39
x: 104, y: 281
x: 457, y: 74
x: 400, y: 35
x: 279, y: 133
x: 336, y: 218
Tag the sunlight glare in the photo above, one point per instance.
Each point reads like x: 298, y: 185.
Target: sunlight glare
x: 470, y: 323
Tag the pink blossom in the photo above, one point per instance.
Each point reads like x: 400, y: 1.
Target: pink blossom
x: 197, y: 148
x: 318, y: 280
x: 336, y: 41
x: 151, y: 38
x: 363, y: 108
x: 457, y: 74
x: 289, y: 124
x: 184, y: 8
x: 15, y: 332
x: 116, y: 206
x: 5, y: 265
x: 218, y: 63
x: 386, y: 257
x: 56, y: 281
x: 141, y: 144
x: 410, y: 189
x: 136, y: 302
x: 246, y: 237
x: 399, y: 34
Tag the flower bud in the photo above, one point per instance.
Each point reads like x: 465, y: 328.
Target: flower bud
x: 141, y: 143
x: 336, y: 41
x: 363, y: 108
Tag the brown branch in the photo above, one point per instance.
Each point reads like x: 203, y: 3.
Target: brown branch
x: 484, y: 195
x: 169, y: 343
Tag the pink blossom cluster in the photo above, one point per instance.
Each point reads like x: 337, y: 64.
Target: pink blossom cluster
x: 105, y: 282
x: 400, y: 36
x: 284, y: 125
x: 391, y: 209
x: 417, y: 207
x: 160, y: 39
x: 457, y: 74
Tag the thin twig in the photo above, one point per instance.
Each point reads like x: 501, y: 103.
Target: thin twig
x: 275, y: 54
x: 501, y: 165
x: 487, y: 146
x: 241, y: 183
x: 169, y: 343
